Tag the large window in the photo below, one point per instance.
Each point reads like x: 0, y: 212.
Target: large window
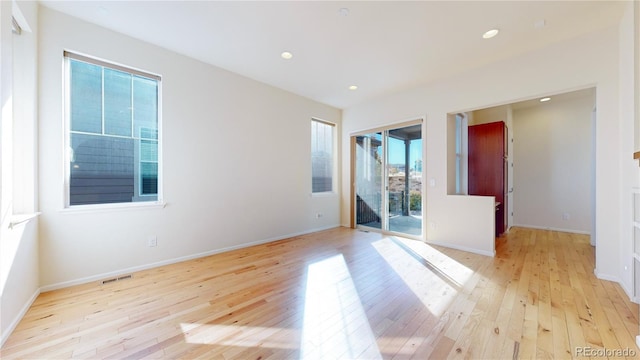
x: 322, y: 139
x: 112, y: 133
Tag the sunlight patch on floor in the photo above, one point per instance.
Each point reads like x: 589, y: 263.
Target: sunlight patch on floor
x: 335, y: 324
x: 452, y: 269
x: 440, y: 277
x: 243, y: 336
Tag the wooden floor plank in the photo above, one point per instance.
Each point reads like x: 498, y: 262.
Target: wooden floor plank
x: 343, y: 294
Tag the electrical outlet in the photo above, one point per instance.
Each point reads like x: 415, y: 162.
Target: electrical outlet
x: 566, y: 216
x: 152, y: 241
x: 319, y: 215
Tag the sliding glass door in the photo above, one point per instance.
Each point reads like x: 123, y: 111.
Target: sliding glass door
x: 369, y: 180
x: 404, y: 179
x: 388, y: 180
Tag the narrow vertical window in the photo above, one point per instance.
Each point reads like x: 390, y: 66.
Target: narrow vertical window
x: 112, y: 133
x: 461, y: 160
x: 322, y: 156
x: 458, y: 153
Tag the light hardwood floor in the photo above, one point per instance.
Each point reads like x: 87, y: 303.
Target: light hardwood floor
x: 343, y: 294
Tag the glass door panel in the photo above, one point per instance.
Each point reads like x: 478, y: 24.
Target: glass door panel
x: 368, y: 172
x: 404, y: 179
x: 388, y: 180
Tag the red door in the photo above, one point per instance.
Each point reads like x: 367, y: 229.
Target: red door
x: 487, y: 166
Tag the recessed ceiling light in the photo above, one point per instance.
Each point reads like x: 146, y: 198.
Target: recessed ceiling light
x: 545, y: 99
x: 353, y: 87
x: 540, y: 24
x: 286, y: 55
x: 491, y: 33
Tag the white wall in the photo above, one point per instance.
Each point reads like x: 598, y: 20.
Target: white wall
x: 510, y: 177
x: 629, y: 102
x: 19, y: 268
x: 25, y: 85
x: 467, y: 221
x: 489, y: 115
x: 20, y: 277
x: 236, y: 158
x: 636, y: 61
x: 552, y: 172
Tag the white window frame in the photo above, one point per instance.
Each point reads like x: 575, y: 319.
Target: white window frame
x: 68, y: 153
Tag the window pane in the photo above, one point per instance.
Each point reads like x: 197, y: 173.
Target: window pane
x: 148, y: 167
x: 113, y: 133
x: 148, y: 150
x: 86, y: 97
x: 458, y: 180
x: 102, y: 169
x: 149, y: 176
x: 458, y: 134
x: 321, y: 156
x: 117, y: 102
x: 145, y: 102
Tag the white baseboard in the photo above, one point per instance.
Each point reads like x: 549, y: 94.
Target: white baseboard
x: 629, y: 292
x: 573, y: 231
x: 463, y: 248
x: 607, y: 277
x: 111, y: 274
x: 18, y: 318
x: 616, y: 279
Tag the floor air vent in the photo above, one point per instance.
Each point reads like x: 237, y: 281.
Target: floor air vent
x: 123, y: 277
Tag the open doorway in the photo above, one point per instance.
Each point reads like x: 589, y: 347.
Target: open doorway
x: 550, y: 161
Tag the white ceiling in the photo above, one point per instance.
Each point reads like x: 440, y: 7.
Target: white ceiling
x: 557, y: 98
x: 382, y: 47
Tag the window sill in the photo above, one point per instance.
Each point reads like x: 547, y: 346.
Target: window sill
x: 18, y: 219
x: 324, y: 194
x: 147, y: 205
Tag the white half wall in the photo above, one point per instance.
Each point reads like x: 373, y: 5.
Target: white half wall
x: 236, y: 162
